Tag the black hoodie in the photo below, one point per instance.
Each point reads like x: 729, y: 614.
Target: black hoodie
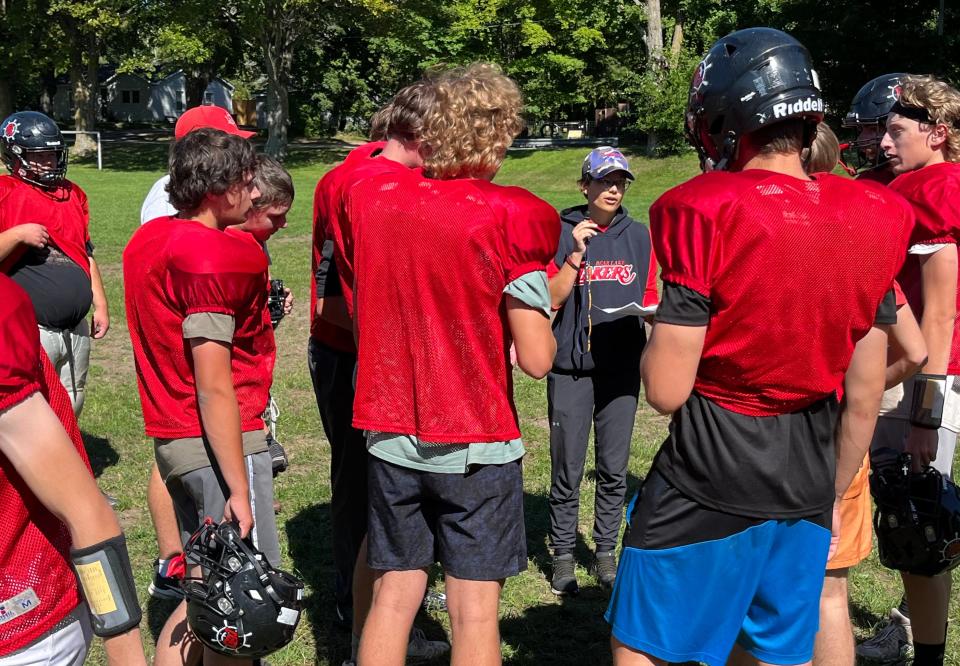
x: 620, y: 260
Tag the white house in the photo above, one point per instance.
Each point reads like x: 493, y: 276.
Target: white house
x: 134, y: 98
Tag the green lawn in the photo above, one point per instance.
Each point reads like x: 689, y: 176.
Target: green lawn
x: 537, y: 628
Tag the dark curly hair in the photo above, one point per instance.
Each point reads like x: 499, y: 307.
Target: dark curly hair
x: 207, y: 161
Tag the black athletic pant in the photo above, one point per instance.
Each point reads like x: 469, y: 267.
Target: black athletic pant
x: 332, y: 375
x: 609, y: 402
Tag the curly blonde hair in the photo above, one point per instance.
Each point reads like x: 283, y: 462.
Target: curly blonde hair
x: 824, y: 153
x: 475, y: 120
x: 941, y: 101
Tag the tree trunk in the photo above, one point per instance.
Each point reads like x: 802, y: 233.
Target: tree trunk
x: 195, y: 83
x: 654, y: 35
x: 6, y: 98
x: 278, y: 62
x: 84, y: 61
x: 677, y: 43
x: 48, y: 92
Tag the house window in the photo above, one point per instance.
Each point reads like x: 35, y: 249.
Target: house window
x: 181, y: 100
x: 130, y: 96
x: 207, y: 98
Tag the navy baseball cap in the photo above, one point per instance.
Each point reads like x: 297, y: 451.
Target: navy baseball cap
x: 603, y: 160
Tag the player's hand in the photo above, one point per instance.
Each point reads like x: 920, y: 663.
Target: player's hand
x: 287, y: 301
x: 33, y: 234
x: 582, y: 233
x: 100, y: 323
x: 237, y: 510
x: 922, y: 444
x: 835, y: 529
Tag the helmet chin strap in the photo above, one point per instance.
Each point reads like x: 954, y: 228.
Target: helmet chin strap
x: 728, y: 151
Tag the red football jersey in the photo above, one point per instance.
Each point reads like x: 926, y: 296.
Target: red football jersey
x: 432, y: 259
x: 37, y: 585
x: 795, y: 271
x: 173, y: 268
x: 934, y: 193
x: 327, y: 210
x: 64, y: 212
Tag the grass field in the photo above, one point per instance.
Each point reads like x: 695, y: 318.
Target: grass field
x: 537, y: 628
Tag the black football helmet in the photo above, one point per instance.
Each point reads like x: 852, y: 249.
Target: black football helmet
x: 868, y: 117
x: 917, y: 520
x: 33, y: 149
x: 749, y: 79
x: 241, y: 606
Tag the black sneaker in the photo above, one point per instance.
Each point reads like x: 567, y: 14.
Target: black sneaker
x: 890, y: 645
x: 435, y: 601
x: 163, y: 587
x: 277, y: 455
x: 564, y: 581
x: 604, y: 568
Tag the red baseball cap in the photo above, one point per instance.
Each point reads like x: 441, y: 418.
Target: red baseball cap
x: 208, y: 116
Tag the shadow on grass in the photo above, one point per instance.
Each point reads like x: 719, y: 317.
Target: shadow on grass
x: 102, y: 455
x: 862, y: 617
x: 309, y: 538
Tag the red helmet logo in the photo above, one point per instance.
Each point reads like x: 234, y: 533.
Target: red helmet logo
x: 10, y: 129
x: 897, y: 89
x: 698, y: 75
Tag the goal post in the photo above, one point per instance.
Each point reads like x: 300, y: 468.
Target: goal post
x: 99, y: 151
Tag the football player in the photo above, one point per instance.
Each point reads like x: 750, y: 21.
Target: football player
x: 868, y: 116
x: 53, y: 517
x: 770, y: 302
x: 45, y: 245
x: 921, y: 145
x: 332, y: 352
x: 434, y: 334
x: 204, y: 350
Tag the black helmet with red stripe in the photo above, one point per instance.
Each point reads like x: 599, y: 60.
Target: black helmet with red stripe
x: 748, y: 80
x: 868, y: 116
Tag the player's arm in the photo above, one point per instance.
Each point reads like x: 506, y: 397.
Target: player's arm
x: 668, y: 367
x: 101, y: 310
x: 35, y: 443
x: 939, y: 284
x: 331, y: 305
x: 220, y: 418
x: 863, y: 388
x: 532, y: 337
x: 30, y: 234
x: 907, y: 351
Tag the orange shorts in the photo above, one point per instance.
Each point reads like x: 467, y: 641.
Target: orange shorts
x: 856, y: 522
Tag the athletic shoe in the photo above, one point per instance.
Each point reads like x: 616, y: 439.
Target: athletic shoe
x: 564, y: 579
x: 890, y: 645
x: 604, y: 568
x: 163, y: 587
x: 111, y: 500
x: 277, y: 455
x: 435, y: 601
x: 421, y: 647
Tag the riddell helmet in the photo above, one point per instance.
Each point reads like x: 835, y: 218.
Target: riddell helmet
x: 748, y: 80
x: 870, y: 108
x: 917, y: 518
x: 24, y: 137
x: 242, y: 606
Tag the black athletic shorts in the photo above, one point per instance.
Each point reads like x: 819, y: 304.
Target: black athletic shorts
x: 471, y: 523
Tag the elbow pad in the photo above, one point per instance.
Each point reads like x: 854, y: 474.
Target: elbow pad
x: 104, y: 573
x: 929, y: 394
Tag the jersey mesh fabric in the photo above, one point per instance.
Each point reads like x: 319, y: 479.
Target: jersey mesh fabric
x: 934, y: 193
x: 794, y: 271
x: 64, y: 212
x: 173, y: 268
x: 34, y: 545
x: 327, y: 200
x: 432, y: 260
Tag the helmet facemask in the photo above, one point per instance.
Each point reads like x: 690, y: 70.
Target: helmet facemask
x: 43, y: 167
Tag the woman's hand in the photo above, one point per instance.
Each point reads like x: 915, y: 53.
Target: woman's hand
x: 582, y: 233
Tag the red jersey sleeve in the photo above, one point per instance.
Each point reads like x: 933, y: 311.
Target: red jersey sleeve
x: 19, y: 345
x: 683, y: 242
x: 531, y: 233
x: 934, y: 194
x: 899, y: 295
x: 651, y: 296
x: 223, y: 282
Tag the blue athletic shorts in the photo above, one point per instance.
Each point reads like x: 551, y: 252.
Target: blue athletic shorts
x: 693, y: 582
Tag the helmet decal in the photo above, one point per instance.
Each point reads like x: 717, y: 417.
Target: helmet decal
x: 699, y: 76
x: 895, y: 92
x: 230, y: 638
x: 11, y: 129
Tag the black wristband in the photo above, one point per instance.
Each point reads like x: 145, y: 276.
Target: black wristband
x: 926, y: 407
x: 570, y: 263
x: 106, y: 579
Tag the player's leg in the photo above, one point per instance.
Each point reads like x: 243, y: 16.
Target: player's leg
x: 481, y: 541
x: 834, y: 642
x: 473, y: 606
x: 929, y: 600
x: 570, y: 411
x: 739, y: 657
x: 74, y: 374
x: 616, y: 398
x: 396, y: 599
x: 624, y: 655
x: 168, y: 536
